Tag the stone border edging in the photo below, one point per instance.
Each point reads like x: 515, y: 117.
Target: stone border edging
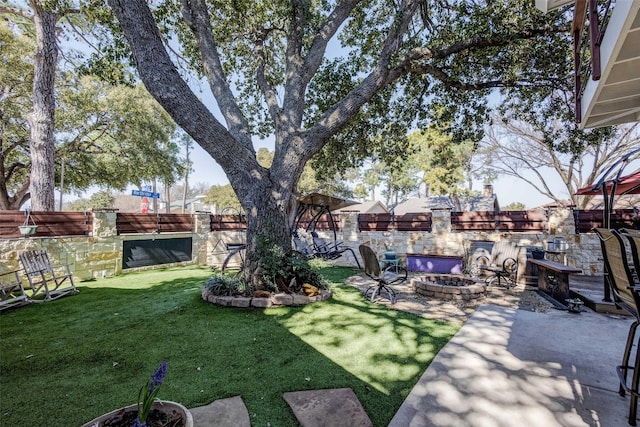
x: 275, y: 300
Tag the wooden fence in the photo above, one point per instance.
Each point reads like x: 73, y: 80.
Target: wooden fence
x: 228, y: 222
x: 507, y: 221
x: 49, y: 224
x: 388, y: 222
x: 534, y: 221
x: 239, y: 222
x: 131, y: 223
x: 587, y: 220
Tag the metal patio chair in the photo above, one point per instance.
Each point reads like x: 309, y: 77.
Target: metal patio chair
x: 501, y: 265
x: 626, y: 294
x: 391, y: 275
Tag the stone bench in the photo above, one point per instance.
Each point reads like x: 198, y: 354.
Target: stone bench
x: 553, y: 278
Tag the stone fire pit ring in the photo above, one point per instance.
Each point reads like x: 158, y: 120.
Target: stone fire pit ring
x: 453, y: 287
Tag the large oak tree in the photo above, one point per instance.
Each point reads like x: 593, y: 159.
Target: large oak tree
x: 273, y: 68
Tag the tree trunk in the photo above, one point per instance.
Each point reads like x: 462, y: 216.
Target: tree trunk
x: 274, y: 220
x: 42, y: 147
x: 167, y: 197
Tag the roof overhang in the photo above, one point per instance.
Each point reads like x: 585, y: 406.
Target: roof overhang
x: 615, y: 98
x: 547, y: 5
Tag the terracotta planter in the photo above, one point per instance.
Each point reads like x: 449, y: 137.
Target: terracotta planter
x: 162, y: 405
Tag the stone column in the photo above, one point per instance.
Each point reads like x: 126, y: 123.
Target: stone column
x: 202, y: 228
x: 441, y: 220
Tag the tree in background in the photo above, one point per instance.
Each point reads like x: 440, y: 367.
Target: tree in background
x: 514, y: 206
x: 432, y: 159
x: 102, y: 199
x: 221, y: 197
x: 266, y: 67
x: 16, y: 77
x: 526, y: 152
x: 444, y: 163
x: 105, y: 135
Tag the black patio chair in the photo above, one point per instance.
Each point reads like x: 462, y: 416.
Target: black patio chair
x: 626, y: 295
x: 392, y: 275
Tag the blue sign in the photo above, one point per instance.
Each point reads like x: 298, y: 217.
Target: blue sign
x: 145, y: 194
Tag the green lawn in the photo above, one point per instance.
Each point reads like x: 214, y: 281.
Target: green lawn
x: 65, y: 362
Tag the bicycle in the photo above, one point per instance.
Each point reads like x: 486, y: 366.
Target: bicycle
x: 233, y: 264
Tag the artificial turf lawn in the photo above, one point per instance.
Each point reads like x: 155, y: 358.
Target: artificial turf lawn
x: 65, y: 362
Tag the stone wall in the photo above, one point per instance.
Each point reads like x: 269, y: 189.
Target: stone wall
x: 101, y: 254
x: 583, y: 252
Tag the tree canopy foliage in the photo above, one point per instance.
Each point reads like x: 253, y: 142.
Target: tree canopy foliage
x: 105, y: 135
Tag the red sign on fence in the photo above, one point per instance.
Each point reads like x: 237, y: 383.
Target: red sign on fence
x: 144, y: 205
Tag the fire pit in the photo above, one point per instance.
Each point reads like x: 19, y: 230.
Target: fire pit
x: 449, y: 287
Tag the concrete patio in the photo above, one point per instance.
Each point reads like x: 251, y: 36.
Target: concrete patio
x: 509, y: 367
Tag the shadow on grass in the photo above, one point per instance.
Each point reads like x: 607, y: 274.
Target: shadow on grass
x: 90, y: 353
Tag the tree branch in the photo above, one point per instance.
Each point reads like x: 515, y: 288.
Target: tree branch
x: 267, y: 91
x: 196, y: 15
x: 339, y: 114
x: 163, y: 81
x: 416, y: 60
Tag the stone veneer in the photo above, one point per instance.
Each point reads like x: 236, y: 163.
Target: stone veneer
x: 280, y: 299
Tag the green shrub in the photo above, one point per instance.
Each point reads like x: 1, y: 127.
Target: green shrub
x: 222, y: 285
x: 282, y: 265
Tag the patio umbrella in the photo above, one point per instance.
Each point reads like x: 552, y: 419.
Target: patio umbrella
x: 628, y: 184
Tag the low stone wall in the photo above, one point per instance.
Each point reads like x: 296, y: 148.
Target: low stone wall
x: 101, y: 254
x: 279, y: 299
x: 583, y: 252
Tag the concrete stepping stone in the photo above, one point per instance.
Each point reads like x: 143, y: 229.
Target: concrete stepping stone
x: 230, y: 412
x: 338, y: 407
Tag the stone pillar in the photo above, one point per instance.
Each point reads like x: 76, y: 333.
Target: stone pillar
x: 104, y: 224
x: 561, y: 222
x: 202, y: 228
x: 441, y: 221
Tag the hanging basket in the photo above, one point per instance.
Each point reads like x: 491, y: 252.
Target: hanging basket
x: 27, y: 230
x: 29, y: 226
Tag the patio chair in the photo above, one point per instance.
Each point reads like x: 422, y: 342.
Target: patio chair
x: 626, y: 296
x: 11, y: 291
x: 45, y: 278
x: 332, y: 250
x: 392, y: 275
x: 501, y: 265
x: 634, y: 242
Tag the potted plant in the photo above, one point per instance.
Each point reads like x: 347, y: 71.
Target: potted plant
x: 389, y: 253
x: 537, y: 252
x: 148, y: 411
